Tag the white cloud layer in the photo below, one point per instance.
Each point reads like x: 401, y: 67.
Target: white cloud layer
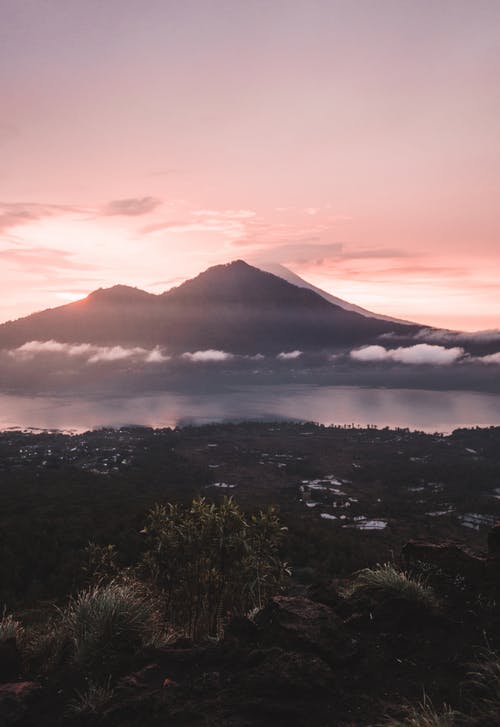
x: 492, y: 358
x: 438, y: 335
x: 208, y: 355
x: 89, y: 351
x: 289, y: 355
x: 421, y: 353
x: 430, y: 334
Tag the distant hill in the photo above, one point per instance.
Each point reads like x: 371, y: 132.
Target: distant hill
x: 235, y: 307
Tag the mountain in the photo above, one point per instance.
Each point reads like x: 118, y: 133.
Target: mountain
x: 282, y: 272
x: 234, y: 307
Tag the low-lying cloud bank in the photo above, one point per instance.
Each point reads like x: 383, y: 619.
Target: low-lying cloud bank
x: 434, y: 335
x: 421, y: 353
x: 92, y: 354
x: 89, y: 352
x: 492, y: 358
x: 208, y: 355
x: 289, y: 355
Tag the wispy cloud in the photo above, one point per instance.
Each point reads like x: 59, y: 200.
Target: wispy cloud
x: 232, y: 224
x: 16, y: 214
x: 37, y: 259
x: 131, y: 206
x: 421, y: 353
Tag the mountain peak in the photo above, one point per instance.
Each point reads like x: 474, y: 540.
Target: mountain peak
x: 119, y: 294
x: 238, y: 283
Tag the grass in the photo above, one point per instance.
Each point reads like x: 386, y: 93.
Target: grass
x: 424, y: 715
x: 108, y: 624
x: 387, y: 583
x: 92, y: 701
x: 10, y: 628
x: 46, y: 647
x: 483, y: 683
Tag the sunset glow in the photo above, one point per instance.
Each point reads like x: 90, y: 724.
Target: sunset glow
x: 355, y: 143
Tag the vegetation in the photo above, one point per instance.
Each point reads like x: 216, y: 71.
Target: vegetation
x: 484, y: 687
x: 424, y: 715
x: 387, y: 583
x: 152, y: 620
x: 108, y: 624
x: 92, y: 701
x: 211, y: 561
x: 10, y: 628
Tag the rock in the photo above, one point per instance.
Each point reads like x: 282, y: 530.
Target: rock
x: 298, y: 624
x: 15, y: 701
x: 326, y: 593
x: 242, y: 630
x: 494, y: 542
x: 142, y: 679
x: 448, y: 557
x: 10, y: 661
x: 291, y: 674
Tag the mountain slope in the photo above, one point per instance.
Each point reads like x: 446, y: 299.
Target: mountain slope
x: 233, y: 307
x: 291, y: 277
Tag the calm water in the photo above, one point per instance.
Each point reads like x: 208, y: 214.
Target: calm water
x: 426, y: 410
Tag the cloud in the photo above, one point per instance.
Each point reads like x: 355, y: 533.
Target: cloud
x: 492, y: 358
x: 421, y: 353
x: 116, y: 353
x: 226, y: 214
x: 430, y: 334
x: 309, y: 249
x: 208, y: 355
x: 229, y: 223
x: 132, y: 206
x: 37, y: 259
x: 289, y: 355
x: 88, y: 351
x: 156, y: 356
x: 15, y: 214
x: 31, y: 348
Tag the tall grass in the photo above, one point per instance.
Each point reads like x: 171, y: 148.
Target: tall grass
x: 92, y: 701
x: 484, y: 685
x: 424, y: 715
x: 108, y: 624
x: 10, y: 628
x: 386, y: 583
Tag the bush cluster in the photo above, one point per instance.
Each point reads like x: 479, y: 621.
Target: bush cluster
x: 211, y: 561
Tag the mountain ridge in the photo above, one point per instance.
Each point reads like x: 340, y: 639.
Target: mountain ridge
x: 233, y: 307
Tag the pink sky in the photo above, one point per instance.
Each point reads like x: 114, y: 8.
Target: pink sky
x: 355, y: 142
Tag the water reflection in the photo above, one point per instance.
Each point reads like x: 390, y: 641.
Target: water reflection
x: 416, y: 409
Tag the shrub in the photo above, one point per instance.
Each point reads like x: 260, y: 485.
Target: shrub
x: 108, y: 624
x: 100, y: 562
x: 387, y: 583
x: 212, y: 561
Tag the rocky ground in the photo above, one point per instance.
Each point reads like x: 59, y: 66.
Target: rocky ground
x: 314, y: 657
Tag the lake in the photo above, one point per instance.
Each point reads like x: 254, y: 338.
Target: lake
x: 423, y: 410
